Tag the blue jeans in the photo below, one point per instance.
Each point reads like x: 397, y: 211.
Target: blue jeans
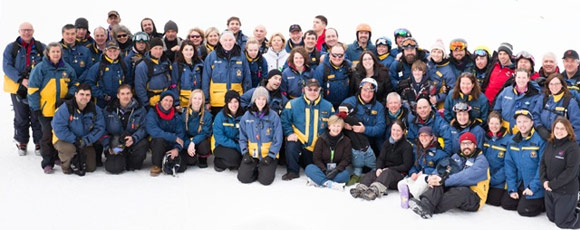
x: 315, y: 174
x: 361, y: 159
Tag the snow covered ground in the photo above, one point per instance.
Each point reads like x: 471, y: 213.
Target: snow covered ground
x: 205, y: 199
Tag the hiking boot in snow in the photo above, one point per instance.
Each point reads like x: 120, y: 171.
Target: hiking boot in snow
x: 290, y: 176
x: 57, y: 162
x: 404, y: 193
x: 21, y: 148
x: 202, y: 162
x: 375, y: 190
x: 334, y: 185
x: 155, y: 171
x: 353, y: 180
x: 218, y: 169
x: 48, y: 169
x: 418, y: 208
x: 358, y: 190
x: 310, y: 182
x: 37, y: 150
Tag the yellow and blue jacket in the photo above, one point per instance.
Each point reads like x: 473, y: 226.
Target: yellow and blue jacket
x: 261, y: 134
x: 495, y: 148
x: 49, y: 84
x: 522, y: 163
x: 474, y: 174
x: 87, y: 125
x: 223, y: 71
x: 226, y: 130
x: 307, y: 119
x: 78, y: 56
x: 15, y: 66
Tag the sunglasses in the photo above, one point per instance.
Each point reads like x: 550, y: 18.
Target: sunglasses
x: 121, y: 35
x: 402, y: 33
x: 457, y: 45
x: 194, y: 36
x: 337, y: 55
x: 480, y: 52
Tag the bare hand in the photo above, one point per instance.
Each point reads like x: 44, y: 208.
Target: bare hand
x: 399, y: 55
x: 433, y: 100
x: 173, y: 153
x: 514, y: 195
x: 207, y: 106
x: 528, y: 192
x: 128, y: 141
x: 292, y: 137
x: 414, y: 176
x: 360, y: 128
x: 433, y: 181
x: 347, y: 126
x: 379, y: 171
x: 547, y: 186
x: 191, y: 149
x: 179, y: 141
x: 175, y: 48
x: 25, y: 82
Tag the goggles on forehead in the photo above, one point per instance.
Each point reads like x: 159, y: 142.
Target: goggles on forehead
x: 480, y: 52
x: 402, y: 32
x: 141, y: 37
x: 409, y: 44
x: 457, y: 45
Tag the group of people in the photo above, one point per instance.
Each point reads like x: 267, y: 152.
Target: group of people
x: 446, y: 127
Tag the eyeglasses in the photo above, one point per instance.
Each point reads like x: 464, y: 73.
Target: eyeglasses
x: 121, y: 35
x: 466, y: 143
x: 402, y: 32
x: 409, y: 44
x: 457, y: 45
x: 337, y: 55
x: 141, y: 37
x: 27, y: 30
x: 480, y: 52
x: 194, y: 36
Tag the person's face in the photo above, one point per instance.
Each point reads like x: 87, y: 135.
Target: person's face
x: 188, y: 52
x: 337, y: 55
x: 363, y: 36
x: 367, y: 92
x: 571, y: 65
x: 524, y: 63
x: 167, y: 103
x: 494, y: 125
x: 368, y: 62
x: 437, y: 55
x: 393, y: 105
x: 26, y: 32
x: 196, y: 101
x: 54, y: 54
x: 112, y: 53
x: 124, y: 96
x: 100, y: 36
x: 261, y: 102
x: 157, y: 51
x: 524, y: 124
x: 260, y: 33
x: 331, y: 38
x: 310, y: 41
x: 418, y: 74
x: 312, y: 92
x: 425, y: 139
x: 69, y: 36
x: 555, y: 86
x: 298, y: 60
x: 462, y: 117
x: 227, y: 42
x: 296, y: 36
x: 467, y: 147
x: 317, y: 25
x: 549, y: 65
x: 466, y: 86
x: 147, y: 26
x: 522, y: 79
x: 122, y: 37
x: 171, y: 35
x: 458, y: 54
x: 81, y: 32
x: 560, y: 131
x: 234, y: 26
x: 113, y: 20
x: 140, y: 46
x: 410, y: 55
x: 277, y: 43
x: 396, y: 132
x: 253, y: 50
x: 481, y: 62
x: 503, y: 57
x: 233, y: 105
x: 423, y: 109
x: 195, y: 37
x: 335, y: 129
x: 382, y: 49
x: 83, y: 97
x: 213, y: 38
x: 274, y: 83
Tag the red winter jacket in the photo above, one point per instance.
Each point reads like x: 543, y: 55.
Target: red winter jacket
x: 497, y: 78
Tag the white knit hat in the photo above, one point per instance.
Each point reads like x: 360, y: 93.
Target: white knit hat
x: 440, y: 46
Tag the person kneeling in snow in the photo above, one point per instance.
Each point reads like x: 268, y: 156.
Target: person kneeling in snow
x: 332, y: 154
x: 466, y: 189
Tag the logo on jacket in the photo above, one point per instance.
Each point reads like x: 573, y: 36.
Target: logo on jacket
x: 82, y: 63
x: 268, y: 131
x: 63, y: 74
x: 560, y: 155
x: 533, y: 154
x: 239, y: 73
x: 500, y: 154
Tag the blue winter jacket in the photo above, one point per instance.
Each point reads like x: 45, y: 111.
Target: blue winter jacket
x: 258, y: 69
x: 226, y: 131
x: 509, y: 101
x: 79, y: 57
x: 522, y: 164
x: 386, y: 60
x: 188, y: 80
x: 443, y: 74
x: 105, y: 81
x: 479, y: 106
x: 437, y: 123
x: 401, y: 70
x: 135, y: 123
x: 307, y: 119
x: 148, y: 89
x: 546, y: 113
x: 372, y: 115
x: 464, y: 65
x: 354, y: 50
x: 87, y: 125
x: 131, y: 61
x: 49, y: 84
x: 293, y: 81
x: 276, y: 103
x: 495, y: 149
x: 241, y: 39
x: 474, y: 173
x: 197, y: 128
x: 456, y: 131
x: 261, y: 135
x: 14, y: 67
x: 335, y: 80
x: 169, y: 130
x: 426, y: 161
x: 573, y: 83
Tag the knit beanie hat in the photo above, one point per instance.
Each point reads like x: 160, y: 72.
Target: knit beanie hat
x: 170, y: 25
x: 426, y: 129
x: 155, y: 42
x: 82, y: 23
x: 274, y: 72
x: 259, y: 92
x: 232, y: 94
x: 468, y: 136
x: 506, y: 47
x: 440, y: 46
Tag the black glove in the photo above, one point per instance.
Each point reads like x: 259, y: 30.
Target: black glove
x: 267, y: 160
x: 80, y: 144
x: 331, y: 174
x: 247, y: 159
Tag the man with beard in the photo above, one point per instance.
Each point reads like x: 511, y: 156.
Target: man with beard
x: 463, y: 183
x: 363, y: 35
x: 272, y: 84
x: 83, y: 35
x: 171, y: 42
x: 461, y: 60
x: 148, y: 26
x: 401, y: 67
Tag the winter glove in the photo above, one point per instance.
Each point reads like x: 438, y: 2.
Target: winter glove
x: 331, y: 174
x: 247, y: 159
x: 544, y: 133
x: 267, y: 160
x: 80, y: 144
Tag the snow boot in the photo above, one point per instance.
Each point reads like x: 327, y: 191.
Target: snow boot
x: 357, y: 191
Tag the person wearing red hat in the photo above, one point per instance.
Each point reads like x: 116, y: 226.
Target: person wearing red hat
x: 461, y: 181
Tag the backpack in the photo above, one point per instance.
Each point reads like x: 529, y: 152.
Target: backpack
x: 103, y: 66
x: 565, y: 105
x: 16, y: 48
x: 325, y: 80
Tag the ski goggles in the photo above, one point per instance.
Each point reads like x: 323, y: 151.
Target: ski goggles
x: 524, y: 54
x: 480, y: 53
x: 409, y: 44
x: 402, y: 32
x: 461, y: 107
x: 141, y: 37
x: 383, y: 41
x: 457, y: 45
x: 524, y: 112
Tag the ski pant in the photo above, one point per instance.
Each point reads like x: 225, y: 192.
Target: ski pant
x: 363, y: 158
x: 130, y: 159
x: 66, y: 152
x: 524, y: 206
x: 24, y: 118
x: 225, y: 157
x: 202, y: 150
x: 319, y: 177
x: 47, y: 150
x: 561, y: 209
x: 439, y: 199
x: 389, y: 178
x: 159, y: 147
x: 251, y: 169
x: 416, y: 187
x: 494, y: 196
x: 297, y: 156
